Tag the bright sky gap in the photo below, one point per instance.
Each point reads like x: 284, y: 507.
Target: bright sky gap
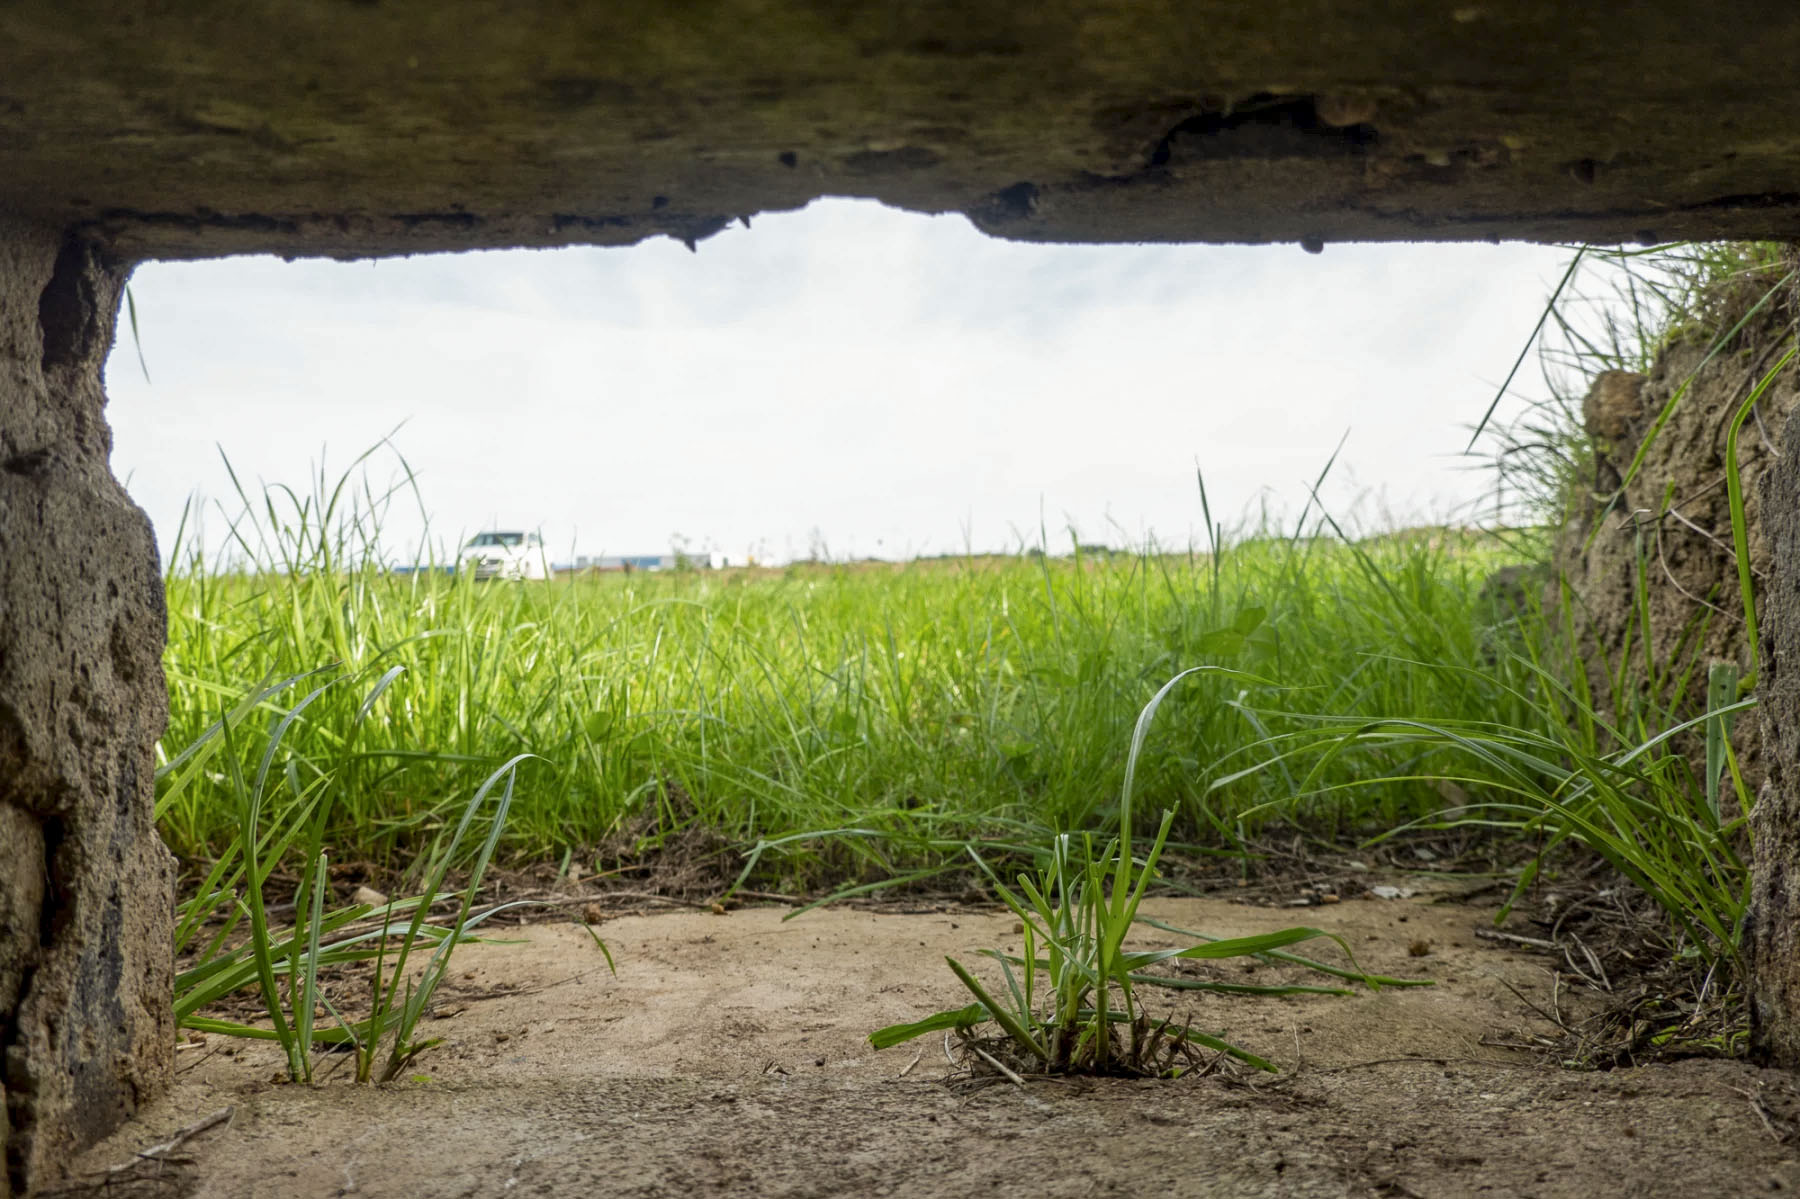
x: 848, y: 380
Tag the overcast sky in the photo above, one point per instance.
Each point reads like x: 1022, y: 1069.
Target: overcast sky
x: 878, y: 382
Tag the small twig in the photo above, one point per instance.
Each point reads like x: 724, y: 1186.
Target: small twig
x: 1545, y: 1016
x: 162, y: 1152
x: 1602, y: 983
x: 1193, y: 1056
x: 1594, y: 960
x: 212, y: 1048
x: 1488, y: 934
x: 338, y: 1065
x: 912, y: 1064
x: 505, y: 992
x: 1705, y: 988
x: 1565, y: 911
x: 995, y: 1062
x: 1762, y: 1113
x: 1385, y: 1061
x: 1468, y: 893
x: 563, y: 899
x: 1662, y: 560
x: 1405, y: 1061
x: 1540, y: 1044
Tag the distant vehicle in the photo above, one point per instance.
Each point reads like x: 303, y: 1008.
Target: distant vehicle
x: 504, y: 555
x: 674, y: 560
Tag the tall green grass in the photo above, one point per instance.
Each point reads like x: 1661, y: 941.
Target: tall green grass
x: 910, y: 708
x: 1631, y: 758
x: 1615, y: 308
x: 1622, y: 790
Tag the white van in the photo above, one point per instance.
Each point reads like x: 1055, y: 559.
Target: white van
x: 505, y: 555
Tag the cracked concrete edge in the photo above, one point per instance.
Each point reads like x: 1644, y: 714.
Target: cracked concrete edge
x: 1157, y: 205
x: 86, y: 886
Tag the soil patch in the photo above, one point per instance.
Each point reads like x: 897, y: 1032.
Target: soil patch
x: 728, y: 1057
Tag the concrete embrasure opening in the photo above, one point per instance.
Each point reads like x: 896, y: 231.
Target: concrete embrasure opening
x: 328, y: 129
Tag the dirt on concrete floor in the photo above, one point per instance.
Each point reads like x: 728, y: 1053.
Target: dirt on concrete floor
x: 728, y: 1057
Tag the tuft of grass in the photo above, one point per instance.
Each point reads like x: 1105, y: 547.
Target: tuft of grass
x: 1085, y: 1016
x: 1618, y: 308
x: 1613, y: 774
x: 1608, y: 755
x: 243, y: 949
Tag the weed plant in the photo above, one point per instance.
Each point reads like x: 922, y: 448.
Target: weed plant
x: 1084, y: 1015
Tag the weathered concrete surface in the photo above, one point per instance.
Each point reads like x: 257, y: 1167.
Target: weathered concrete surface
x: 361, y: 126
x: 729, y: 1059
x: 85, y: 884
x: 1772, y: 935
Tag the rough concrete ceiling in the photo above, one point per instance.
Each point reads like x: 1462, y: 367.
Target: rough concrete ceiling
x: 349, y: 127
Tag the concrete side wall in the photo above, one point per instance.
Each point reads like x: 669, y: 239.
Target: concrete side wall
x: 1773, y: 934
x: 86, y: 887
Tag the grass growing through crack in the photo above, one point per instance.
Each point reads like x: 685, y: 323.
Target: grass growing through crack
x: 225, y: 930
x: 1084, y: 1016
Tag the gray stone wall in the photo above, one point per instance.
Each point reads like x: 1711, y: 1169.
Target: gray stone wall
x: 86, y: 887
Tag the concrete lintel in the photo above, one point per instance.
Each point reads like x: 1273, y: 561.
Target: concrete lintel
x: 358, y: 128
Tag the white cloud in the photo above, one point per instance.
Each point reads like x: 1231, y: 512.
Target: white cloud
x: 896, y: 382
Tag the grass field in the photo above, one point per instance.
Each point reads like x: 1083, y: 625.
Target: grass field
x: 921, y: 705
